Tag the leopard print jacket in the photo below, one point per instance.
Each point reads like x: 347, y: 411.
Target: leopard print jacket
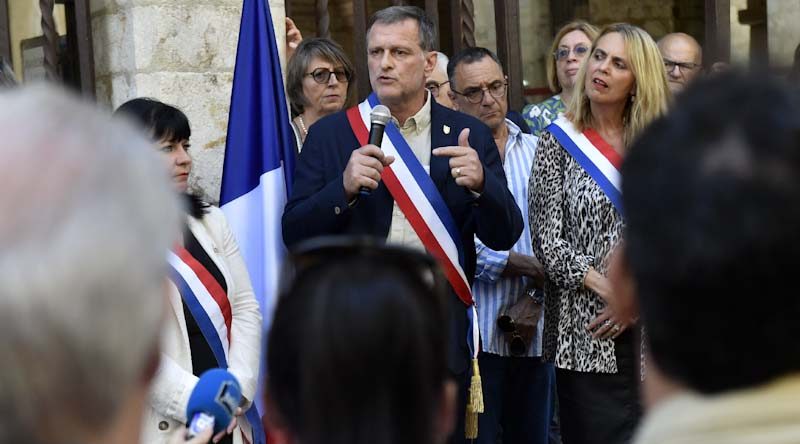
x: 575, y: 226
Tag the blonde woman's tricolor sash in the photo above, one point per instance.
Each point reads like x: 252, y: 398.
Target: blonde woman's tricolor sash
x: 209, y: 305
x: 594, y: 155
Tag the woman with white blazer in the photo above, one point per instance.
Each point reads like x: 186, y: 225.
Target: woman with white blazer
x: 214, y: 319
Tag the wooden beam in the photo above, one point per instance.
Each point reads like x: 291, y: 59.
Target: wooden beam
x: 323, y: 19
x: 360, y: 48
x: 79, y: 14
x: 48, y: 24
x: 5, y: 33
x: 432, y: 9
x: 462, y: 14
x: 506, y: 15
x: 717, y: 45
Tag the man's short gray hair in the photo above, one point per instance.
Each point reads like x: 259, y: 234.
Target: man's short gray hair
x: 88, y: 214
x: 397, y: 14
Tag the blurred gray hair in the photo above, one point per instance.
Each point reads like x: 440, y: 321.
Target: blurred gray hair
x: 441, y: 62
x: 88, y: 216
x: 397, y: 14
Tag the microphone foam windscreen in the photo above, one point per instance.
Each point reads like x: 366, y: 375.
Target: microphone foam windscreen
x: 218, y: 394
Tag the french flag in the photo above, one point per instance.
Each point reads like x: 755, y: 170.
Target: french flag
x: 259, y: 153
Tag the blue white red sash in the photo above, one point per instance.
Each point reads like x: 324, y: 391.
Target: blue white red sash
x: 209, y: 305
x: 594, y: 155
x: 418, y: 198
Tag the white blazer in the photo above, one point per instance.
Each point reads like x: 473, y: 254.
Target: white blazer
x: 174, y: 380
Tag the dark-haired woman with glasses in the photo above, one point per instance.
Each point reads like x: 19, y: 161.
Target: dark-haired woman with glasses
x: 318, y: 81
x: 569, y: 49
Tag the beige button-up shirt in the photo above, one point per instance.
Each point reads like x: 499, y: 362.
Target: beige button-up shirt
x: 417, y: 132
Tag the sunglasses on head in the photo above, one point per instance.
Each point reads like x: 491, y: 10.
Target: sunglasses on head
x: 309, y: 257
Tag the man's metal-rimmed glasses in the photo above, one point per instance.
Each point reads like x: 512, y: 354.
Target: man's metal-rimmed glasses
x: 433, y: 86
x: 474, y: 95
x: 323, y: 75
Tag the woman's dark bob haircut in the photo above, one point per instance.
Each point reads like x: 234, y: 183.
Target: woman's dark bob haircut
x: 162, y: 121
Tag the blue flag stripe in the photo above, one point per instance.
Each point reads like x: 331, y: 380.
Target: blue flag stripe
x: 259, y: 138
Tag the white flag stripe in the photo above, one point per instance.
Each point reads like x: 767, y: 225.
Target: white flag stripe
x: 249, y: 216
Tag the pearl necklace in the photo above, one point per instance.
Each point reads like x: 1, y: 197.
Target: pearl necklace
x: 302, y: 124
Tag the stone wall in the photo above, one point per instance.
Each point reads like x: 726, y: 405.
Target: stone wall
x: 783, y: 26
x: 181, y: 52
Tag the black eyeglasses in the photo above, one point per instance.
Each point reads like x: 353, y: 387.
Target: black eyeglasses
x: 516, y: 346
x: 475, y: 95
x: 563, y: 53
x: 682, y: 66
x: 433, y: 86
x: 323, y: 75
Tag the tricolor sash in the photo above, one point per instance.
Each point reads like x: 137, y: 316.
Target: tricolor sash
x: 418, y: 198
x: 594, y: 155
x: 209, y: 305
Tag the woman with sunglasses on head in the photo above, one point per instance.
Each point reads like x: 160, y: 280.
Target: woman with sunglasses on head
x: 215, y: 319
x: 569, y: 48
x: 318, y: 81
x: 577, y: 221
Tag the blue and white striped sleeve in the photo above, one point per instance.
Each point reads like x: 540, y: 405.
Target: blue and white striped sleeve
x: 490, y: 264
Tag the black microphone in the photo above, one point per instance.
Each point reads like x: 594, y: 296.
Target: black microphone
x: 379, y: 117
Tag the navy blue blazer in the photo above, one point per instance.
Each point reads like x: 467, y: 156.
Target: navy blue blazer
x: 318, y: 204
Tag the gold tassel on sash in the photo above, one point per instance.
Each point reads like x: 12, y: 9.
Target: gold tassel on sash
x: 475, y: 404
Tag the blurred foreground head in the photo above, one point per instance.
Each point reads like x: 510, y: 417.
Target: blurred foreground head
x: 84, y: 229
x: 356, y: 353
x: 712, y: 200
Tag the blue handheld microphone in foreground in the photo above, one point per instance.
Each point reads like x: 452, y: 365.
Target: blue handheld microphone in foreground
x: 213, y: 401
x: 379, y: 117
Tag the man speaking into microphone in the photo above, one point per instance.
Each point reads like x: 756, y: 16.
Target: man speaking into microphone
x: 436, y: 181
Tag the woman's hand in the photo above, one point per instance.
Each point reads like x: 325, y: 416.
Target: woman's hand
x: 608, y: 324
x: 619, y: 314
x: 599, y: 284
x: 179, y: 437
x: 218, y: 437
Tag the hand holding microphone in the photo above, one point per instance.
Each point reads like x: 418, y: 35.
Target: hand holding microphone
x: 214, y: 403
x: 363, y: 171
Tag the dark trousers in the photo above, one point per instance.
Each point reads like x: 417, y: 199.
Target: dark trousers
x: 518, y: 400
x: 462, y: 381
x: 601, y: 407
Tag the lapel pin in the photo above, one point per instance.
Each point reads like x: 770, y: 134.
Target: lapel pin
x: 446, y: 129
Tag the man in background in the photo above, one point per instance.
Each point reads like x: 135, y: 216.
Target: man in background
x: 517, y: 385
x: 683, y: 59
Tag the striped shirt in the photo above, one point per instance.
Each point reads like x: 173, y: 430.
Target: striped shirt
x: 495, y: 294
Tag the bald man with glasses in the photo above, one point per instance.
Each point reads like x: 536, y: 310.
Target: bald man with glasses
x: 683, y: 59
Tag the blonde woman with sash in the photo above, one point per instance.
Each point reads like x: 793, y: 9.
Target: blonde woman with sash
x: 577, y: 220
